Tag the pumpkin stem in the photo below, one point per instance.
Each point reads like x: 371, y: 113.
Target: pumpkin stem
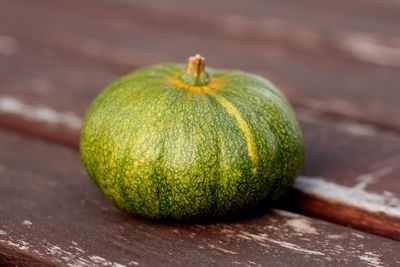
x: 195, y: 71
x: 196, y: 65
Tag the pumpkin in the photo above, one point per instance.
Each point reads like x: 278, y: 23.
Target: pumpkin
x: 169, y: 142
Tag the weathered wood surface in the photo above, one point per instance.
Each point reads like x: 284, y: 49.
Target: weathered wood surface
x: 337, y: 62
x: 51, y: 213
x: 327, y: 66
x: 43, y: 90
x: 53, y: 88
x: 351, y: 175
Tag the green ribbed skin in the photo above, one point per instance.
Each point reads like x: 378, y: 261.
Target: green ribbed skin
x: 162, y: 149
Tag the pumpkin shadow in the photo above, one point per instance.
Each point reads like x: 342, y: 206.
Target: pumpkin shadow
x: 285, y: 202
x: 288, y: 201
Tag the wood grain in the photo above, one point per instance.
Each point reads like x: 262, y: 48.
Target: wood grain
x: 38, y: 74
x: 54, y: 87
x: 350, y: 175
x: 347, y: 64
x: 326, y: 65
x: 51, y: 211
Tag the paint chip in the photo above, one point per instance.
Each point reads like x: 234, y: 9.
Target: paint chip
x: 27, y: 223
x: 302, y: 225
x: 12, y: 105
x: 352, y: 196
x: 262, y: 237
x: 371, y: 259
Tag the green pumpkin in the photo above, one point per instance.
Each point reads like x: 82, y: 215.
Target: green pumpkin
x: 170, y: 142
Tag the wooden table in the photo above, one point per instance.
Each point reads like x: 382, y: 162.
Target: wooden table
x: 338, y: 62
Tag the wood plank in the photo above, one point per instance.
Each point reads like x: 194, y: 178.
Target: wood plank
x: 45, y: 91
x: 53, y: 77
x: 350, y: 175
x: 338, y: 152
x: 329, y: 144
x: 359, y: 15
x: 320, y: 76
x: 52, y: 212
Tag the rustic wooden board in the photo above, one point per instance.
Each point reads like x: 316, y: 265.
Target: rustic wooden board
x: 38, y: 74
x: 324, y: 66
x: 53, y: 88
x: 350, y: 175
x: 43, y: 89
x: 51, y: 213
x: 360, y: 15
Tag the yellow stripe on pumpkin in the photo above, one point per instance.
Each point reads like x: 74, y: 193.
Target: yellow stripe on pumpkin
x: 244, y: 127
x: 214, y: 85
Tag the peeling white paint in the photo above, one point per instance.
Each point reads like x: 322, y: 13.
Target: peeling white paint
x: 371, y: 48
x: 15, y: 244
x: 287, y: 214
x: 358, y: 235
x: 295, y: 247
x: 58, y: 254
x: 297, y: 222
x: 133, y: 263
x: 97, y: 259
x: 8, y: 45
x: 291, y: 246
x: 223, y: 249
x: 2, y: 232
x: 356, y: 197
x: 76, y: 259
x: 228, y: 232
x: 77, y: 248
x: 371, y: 259
x: 245, y: 237
x: 12, y: 105
x: 302, y: 226
x: 27, y: 223
x: 192, y: 235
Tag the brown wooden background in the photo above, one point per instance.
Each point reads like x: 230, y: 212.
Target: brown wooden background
x: 337, y: 61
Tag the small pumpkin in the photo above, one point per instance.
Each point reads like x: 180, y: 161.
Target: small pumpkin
x: 170, y: 142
